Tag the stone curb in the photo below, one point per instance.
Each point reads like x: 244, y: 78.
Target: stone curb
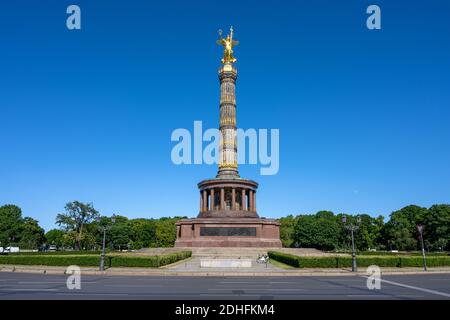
x: 160, y: 272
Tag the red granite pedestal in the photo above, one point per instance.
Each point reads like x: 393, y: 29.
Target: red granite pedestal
x: 228, y: 232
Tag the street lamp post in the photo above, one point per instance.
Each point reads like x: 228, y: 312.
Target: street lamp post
x: 352, y: 227
x: 103, y: 254
x: 424, y: 259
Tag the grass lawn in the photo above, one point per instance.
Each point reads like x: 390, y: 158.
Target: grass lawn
x: 280, y: 264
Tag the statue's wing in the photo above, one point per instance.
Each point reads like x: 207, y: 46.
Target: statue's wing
x: 219, y: 42
x: 235, y: 43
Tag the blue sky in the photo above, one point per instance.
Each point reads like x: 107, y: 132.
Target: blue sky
x: 87, y: 115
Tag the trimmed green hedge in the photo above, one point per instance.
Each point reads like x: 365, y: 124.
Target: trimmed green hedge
x: 149, y: 261
x: 402, y: 253
x: 51, y: 260
x: 94, y: 260
x: 362, y: 261
x: 53, y: 253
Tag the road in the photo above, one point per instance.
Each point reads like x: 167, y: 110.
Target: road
x: 45, y: 286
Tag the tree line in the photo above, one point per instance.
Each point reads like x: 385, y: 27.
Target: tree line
x: 326, y: 230
x: 81, y: 228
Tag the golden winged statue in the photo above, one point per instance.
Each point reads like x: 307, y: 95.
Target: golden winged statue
x: 228, y: 43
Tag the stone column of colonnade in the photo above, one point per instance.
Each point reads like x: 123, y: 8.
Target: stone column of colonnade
x: 212, y: 200
x: 205, y: 200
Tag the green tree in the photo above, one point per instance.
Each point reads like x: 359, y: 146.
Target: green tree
x: 400, y: 232
x: 70, y: 239
x: 367, y: 236
x: 166, y: 231
x: 10, y: 224
x: 77, y: 215
x: 31, y: 234
x: 121, y: 235
x: 144, y: 233
x: 55, y: 237
x: 287, y: 230
x: 320, y: 231
x: 437, y: 227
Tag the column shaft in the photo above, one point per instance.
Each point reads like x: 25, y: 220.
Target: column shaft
x: 205, y: 201
x: 233, y: 199
x: 212, y: 199
x: 228, y: 147
x: 222, y: 199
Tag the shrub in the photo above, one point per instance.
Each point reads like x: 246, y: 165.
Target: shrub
x: 51, y: 253
x: 286, y: 258
x: 51, y: 260
x: 401, y: 253
x: 92, y: 260
x: 362, y: 261
x: 149, y: 261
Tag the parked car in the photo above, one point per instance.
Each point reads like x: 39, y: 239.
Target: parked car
x: 9, y: 249
x: 52, y: 248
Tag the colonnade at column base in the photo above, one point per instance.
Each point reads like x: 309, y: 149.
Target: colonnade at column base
x: 228, y: 197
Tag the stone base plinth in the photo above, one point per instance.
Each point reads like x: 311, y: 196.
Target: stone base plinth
x: 228, y: 232
x: 225, y: 263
